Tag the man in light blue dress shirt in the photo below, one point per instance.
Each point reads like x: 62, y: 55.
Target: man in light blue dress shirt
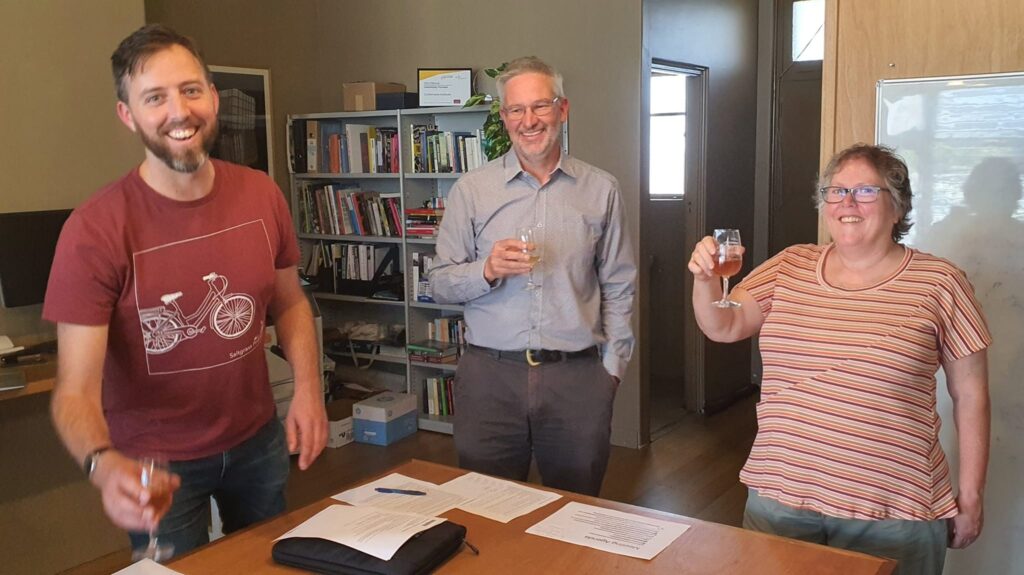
x: 540, y: 374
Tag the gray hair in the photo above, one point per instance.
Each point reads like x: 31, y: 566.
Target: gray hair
x: 890, y: 167
x: 528, y: 65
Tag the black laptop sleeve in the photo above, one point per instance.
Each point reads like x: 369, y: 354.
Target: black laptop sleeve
x: 419, y: 555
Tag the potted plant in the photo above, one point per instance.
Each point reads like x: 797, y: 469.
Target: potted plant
x: 496, y: 141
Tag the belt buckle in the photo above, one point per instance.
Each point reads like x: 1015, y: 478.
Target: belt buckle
x: 529, y: 359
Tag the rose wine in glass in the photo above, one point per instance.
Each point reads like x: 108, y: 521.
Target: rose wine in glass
x: 727, y: 262
x: 526, y: 234
x: 155, y: 477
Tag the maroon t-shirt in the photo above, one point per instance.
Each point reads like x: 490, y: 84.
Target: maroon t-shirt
x: 184, y: 288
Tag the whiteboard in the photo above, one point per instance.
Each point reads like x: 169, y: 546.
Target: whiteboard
x: 963, y: 141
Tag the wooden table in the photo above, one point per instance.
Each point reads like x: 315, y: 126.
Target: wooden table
x: 705, y: 548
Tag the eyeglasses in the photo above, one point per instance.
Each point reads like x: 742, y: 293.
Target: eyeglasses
x: 540, y: 108
x: 861, y: 194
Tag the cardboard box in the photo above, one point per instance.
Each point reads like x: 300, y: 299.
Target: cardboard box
x: 385, y: 407
x: 339, y: 417
x: 362, y: 96
x: 384, y: 433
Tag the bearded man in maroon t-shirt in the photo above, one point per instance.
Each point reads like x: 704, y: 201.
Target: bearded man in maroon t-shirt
x: 159, y: 288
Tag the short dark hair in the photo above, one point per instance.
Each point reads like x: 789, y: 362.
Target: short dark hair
x: 133, y: 52
x: 890, y: 167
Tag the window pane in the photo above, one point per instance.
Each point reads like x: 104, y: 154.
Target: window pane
x: 808, y: 30
x: 668, y: 155
x: 668, y: 93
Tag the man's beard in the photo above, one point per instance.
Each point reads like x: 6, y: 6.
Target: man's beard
x: 188, y: 161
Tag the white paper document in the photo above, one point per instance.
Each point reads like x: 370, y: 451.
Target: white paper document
x: 497, y: 499
x: 435, y: 502
x: 147, y: 567
x: 7, y: 345
x: 609, y: 530
x: 371, y: 530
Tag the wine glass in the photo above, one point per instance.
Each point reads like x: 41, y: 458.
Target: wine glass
x: 727, y: 263
x: 155, y: 477
x: 527, y: 234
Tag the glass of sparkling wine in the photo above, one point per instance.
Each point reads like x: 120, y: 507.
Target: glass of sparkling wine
x: 155, y: 477
x: 526, y: 234
x: 727, y: 263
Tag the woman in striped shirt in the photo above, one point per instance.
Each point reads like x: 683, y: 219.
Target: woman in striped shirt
x: 852, y: 334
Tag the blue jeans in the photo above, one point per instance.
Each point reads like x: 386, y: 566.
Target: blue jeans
x: 247, y: 481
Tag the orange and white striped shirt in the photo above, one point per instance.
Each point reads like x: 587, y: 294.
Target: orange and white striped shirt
x: 847, y: 424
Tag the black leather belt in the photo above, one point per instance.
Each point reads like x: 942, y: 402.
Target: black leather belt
x: 535, y: 357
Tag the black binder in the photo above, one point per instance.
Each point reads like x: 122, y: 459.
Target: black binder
x: 418, y: 556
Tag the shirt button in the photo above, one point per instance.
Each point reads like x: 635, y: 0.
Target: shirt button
x: 540, y: 225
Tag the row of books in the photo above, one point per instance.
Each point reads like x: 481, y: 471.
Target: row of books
x: 341, y: 209
x: 439, y: 395
x: 449, y: 330
x: 423, y: 222
x: 336, y: 262
x: 438, y: 152
x: 335, y: 147
x: 421, y: 264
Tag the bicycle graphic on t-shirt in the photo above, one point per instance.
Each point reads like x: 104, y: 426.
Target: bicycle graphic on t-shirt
x: 229, y: 314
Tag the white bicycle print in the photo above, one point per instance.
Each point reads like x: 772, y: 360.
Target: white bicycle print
x: 164, y: 327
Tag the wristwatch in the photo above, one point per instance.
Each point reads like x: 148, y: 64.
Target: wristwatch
x: 92, y: 460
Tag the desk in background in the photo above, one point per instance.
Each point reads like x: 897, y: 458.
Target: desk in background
x: 39, y: 377
x: 706, y: 548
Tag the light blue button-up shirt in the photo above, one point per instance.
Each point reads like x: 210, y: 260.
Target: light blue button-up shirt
x: 587, y: 274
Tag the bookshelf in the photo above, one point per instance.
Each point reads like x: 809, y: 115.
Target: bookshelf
x: 342, y: 199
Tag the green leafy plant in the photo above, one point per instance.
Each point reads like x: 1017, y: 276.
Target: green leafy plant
x: 496, y: 140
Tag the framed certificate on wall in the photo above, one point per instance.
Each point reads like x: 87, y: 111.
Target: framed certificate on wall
x: 444, y: 86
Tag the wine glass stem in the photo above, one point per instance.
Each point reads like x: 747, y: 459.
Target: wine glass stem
x: 725, y: 287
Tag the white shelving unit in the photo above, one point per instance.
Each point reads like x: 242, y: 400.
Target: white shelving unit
x: 395, y: 372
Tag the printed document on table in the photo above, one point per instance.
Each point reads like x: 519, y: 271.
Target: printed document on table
x: 147, y: 567
x: 373, y: 531
x: 435, y: 502
x: 497, y: 499
x: 609, y: 530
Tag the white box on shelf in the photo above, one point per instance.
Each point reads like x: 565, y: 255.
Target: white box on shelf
x: 384, y: 407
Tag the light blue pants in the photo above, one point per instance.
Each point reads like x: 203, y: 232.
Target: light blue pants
x: 918, y: 546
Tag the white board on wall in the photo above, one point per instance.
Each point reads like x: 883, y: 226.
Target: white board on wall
x: 963, y: 141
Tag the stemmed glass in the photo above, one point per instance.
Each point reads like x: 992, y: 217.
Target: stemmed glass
x: 155, y: 477
x: 526, y: 234
x: 727, y: 263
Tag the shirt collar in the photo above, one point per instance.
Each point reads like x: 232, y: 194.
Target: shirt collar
x: 513, y: 167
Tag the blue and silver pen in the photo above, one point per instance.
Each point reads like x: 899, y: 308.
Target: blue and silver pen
x: 398, y: 491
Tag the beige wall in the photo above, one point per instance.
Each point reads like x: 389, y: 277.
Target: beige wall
x: 60, y: 141
x: 871, y: 40
x: 312, y: 46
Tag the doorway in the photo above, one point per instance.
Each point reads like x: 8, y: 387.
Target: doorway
x: 674, y: 173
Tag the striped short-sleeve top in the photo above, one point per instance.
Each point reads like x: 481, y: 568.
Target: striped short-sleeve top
x: 847, y: 424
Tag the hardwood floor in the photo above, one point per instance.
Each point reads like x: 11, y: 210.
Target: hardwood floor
x: 691, y: 469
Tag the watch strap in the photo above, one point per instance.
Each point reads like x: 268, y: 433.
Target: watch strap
x: 92, y: 459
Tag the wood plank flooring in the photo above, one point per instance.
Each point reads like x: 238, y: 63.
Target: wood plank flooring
x: 691, y: 468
